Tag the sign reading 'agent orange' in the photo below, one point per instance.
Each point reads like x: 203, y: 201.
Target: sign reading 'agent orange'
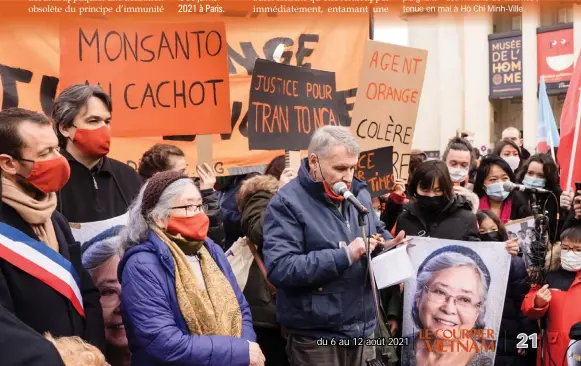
x: 387, y: 102
x: 164, y: 79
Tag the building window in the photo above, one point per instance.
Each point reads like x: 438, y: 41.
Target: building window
x: 506, y: 22
x: 565, y: 15
x: 551, y: 15
x: 516, y: 22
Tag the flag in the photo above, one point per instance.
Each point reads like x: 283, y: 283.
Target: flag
x: 568, y: 122
x: 548, y: 135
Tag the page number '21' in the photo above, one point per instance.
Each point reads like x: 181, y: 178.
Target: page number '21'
x: 523, y: 340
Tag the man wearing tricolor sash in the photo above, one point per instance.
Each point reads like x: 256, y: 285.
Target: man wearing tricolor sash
x: 42, y: 280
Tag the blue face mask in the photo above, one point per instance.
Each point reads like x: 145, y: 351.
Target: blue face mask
x: 533, y: 182
x: 495, y: 192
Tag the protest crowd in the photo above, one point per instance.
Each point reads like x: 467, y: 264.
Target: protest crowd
x: 472, y: 259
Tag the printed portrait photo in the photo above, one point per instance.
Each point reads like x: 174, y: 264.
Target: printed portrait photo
x: 454, y: 304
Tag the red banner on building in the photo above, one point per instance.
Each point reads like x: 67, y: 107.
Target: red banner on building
x: 555, y: 59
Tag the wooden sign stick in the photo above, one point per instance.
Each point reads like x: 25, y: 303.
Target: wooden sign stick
x: 205, y: 150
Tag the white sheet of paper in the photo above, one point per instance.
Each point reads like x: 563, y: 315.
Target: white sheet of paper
x: 392, y: 267
x: 86, y: 231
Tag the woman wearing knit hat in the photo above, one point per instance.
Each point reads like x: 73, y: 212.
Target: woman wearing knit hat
x: 180, y: 301
x: 450, y: 298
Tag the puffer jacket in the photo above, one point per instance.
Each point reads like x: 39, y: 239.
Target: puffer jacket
x: 156, y: 329
x: 319, y: 293
x: 455, y: 222
x: 252, y: 199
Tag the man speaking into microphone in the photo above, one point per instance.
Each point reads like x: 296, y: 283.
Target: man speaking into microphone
x: 316, y: 258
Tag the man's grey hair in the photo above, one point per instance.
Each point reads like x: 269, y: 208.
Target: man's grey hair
x: 138, y: 226
x: 100, y: 253
x: 327, y: 137
x: 70, y: 102
x: 443, y: 261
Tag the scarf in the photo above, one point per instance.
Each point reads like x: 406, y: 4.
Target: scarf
x: 397, y: 198
x: 36, y: 213
x: 505, y: 211
x: 214, y: 311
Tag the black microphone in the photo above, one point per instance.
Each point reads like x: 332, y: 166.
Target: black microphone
x: 511, y: 187
x: 340, y: 188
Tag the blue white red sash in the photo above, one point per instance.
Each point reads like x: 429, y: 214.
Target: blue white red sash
x: 42, y: 262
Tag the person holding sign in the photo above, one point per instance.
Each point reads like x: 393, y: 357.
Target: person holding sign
x: 42, y: 280
x: 435, y: 210
x: 315, y: 255
x: 105, y: 186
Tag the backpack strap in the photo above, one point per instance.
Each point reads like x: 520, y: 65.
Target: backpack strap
x: 261, y: 266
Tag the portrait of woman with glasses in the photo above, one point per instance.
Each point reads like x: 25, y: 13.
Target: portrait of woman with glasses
x: 449, y: 306
x: 100, y: 257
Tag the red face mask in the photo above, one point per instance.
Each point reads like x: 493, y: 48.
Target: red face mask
x: 192, y: 228
x: 93, y: 142
x: 50, y: 175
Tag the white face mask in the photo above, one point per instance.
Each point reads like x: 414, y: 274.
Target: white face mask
x: 512, y: 161
x: 458, y: 174
x: 570, y: 261
x: 378, y: 213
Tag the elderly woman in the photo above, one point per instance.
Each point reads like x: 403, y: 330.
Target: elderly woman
x: 163, y: 157
x: 181, y: 304
x: 100, y: 257
x: 450, y: 298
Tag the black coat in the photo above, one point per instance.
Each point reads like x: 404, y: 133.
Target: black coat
x: 20, y: 345
x: 520, y: 206
x: 216, y: 230
x: 391, y: 213
x: 455, y: 222
x: 39, y: 305
x: 106, y: 191
x: 513, y: 320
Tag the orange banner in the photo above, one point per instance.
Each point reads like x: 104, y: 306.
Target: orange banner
x: 164, y: 79
x: 29, y: 64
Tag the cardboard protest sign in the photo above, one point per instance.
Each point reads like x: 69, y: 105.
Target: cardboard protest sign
x: 387, y: 102
x: 375, y: 167
x: 29, y: 76
x: 287, y: 104
x: 164, y: 79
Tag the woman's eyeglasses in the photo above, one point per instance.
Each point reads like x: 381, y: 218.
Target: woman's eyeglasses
x: 462, y: 302
x: 192, y: 209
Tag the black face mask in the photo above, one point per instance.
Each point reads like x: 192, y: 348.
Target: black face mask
x: 431, y: 204
x: 490, y: 236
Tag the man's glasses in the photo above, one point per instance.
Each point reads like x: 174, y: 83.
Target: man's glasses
x: 192, y: 209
